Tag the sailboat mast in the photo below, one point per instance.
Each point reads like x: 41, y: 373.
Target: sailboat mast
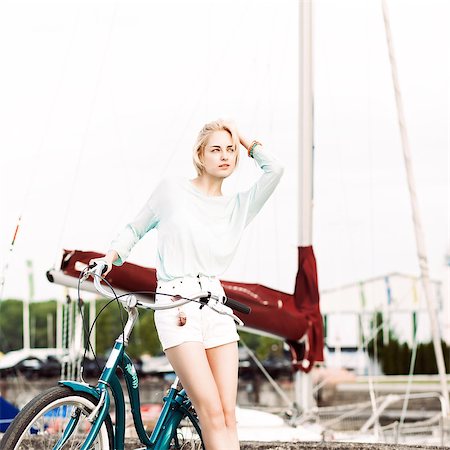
x: 306, y: 126
x: 303, y: 381
x: 418, y: 228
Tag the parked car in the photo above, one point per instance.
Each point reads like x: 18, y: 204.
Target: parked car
x: 153, y: 365
x: 31, y: 363
x: 50, y: 367
x: 92, y: 368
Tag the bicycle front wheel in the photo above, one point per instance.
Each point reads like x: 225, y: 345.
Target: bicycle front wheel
x: 42, y: 422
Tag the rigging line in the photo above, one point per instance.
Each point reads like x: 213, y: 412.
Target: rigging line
x: 349, y: 238
x: 275, y: 216
x: 245, y: 89
x: 8, y: 257
x: 373, y: 337
x: 37, y: 155
x: 271, y: 131
x: 262, y: 230
x: 273, y: 383
x: 245, y: 92
x: 52, y: 109
x: 220, y: 54
x: 414, y: 205
x: 372, y: 393
x: 122, y: 144
x: 264, y: 80
x: 267, y: 78
x: 408, y: 385
x: 250, y: 80
x: 370, y: 147
x: 256, y: 237
x: 208, y: 58
x: 84, y: 140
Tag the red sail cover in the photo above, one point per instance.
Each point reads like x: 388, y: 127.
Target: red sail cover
x: 295, y: 318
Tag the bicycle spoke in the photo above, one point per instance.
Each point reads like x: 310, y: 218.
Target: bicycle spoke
x: 58, y: 422
x: 188, y: 437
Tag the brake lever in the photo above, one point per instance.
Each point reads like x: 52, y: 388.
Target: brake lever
x: 84, y: 269
x: 237, y: 320
x: 87, y: 269
x: 219, y: 307
x: 205, y: 300
x: 85, y: 276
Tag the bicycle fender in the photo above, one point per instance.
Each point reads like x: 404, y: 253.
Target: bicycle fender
x: 82, y: 387
x: 76, y: 386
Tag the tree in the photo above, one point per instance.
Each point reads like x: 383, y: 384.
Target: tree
x: 11, y: 330
x: 144, y: 338
x: 39, y: 315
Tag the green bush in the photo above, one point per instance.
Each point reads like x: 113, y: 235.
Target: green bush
x: 395, y: 357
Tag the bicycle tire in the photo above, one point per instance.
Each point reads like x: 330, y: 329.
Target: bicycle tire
x: 42, y: 418
x: 188, y: 435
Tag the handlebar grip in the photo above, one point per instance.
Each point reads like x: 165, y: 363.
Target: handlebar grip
x: 100, y: 264
x: 237, y: 306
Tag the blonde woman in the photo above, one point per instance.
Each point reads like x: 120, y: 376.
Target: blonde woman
x: 199, y: 229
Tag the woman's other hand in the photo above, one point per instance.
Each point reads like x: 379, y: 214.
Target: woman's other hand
x: 108, y: 259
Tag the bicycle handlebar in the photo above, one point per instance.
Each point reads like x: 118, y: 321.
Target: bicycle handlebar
x: 237, y: 306
x: 202, y: 297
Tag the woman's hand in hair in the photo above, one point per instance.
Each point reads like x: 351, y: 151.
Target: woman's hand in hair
x: 244, y: 141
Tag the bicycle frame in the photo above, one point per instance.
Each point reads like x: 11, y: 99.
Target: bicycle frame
x: 176, y: 405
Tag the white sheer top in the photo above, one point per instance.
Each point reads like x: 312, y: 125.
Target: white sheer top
x: 197, y: 233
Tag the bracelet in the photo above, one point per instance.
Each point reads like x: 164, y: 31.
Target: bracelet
x: 252, y: 147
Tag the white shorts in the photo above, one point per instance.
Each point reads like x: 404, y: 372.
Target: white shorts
x: 202, y: 324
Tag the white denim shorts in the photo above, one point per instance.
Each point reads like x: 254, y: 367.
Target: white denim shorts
x: 202, y: 324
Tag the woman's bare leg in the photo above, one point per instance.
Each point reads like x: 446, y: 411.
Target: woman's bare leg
x: 192, y: 367
x: 224, y: 361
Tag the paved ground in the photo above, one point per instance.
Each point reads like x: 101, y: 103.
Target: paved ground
x: 329, y: 446
x: 314, y: 446
x: 132, y: 444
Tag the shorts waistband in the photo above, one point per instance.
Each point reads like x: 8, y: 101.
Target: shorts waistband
x: 189, y: 278
x: 200, y: 281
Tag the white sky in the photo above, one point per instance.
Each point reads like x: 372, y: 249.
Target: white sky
x: 99, y: 100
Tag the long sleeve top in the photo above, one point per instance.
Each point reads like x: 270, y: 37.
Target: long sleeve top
x: 197, y: 233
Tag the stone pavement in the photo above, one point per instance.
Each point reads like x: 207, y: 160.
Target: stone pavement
x: 131, y: 445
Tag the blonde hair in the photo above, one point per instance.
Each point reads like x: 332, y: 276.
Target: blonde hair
x: 202, y: 140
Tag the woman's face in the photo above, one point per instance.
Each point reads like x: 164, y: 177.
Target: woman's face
x: 219, y: 155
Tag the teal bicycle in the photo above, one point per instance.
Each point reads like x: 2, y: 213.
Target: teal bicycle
x: 76, y: 415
